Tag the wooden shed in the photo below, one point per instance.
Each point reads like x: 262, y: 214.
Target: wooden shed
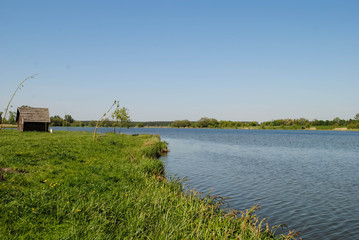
x: 33, y: 119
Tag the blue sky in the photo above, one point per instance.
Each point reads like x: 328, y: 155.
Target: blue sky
x: 168, y: 60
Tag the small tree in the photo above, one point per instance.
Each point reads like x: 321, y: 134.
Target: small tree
x: 12, y: 117
x: 122, y: 117
x: 68, y: 119
x: 356, y: 116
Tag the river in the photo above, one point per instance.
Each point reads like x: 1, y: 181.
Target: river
x: 307, y: 180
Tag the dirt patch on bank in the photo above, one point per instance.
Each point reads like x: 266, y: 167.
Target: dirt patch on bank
x: 8, y: 170
x: 340, y: 129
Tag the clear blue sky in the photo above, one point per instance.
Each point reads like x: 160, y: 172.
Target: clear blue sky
x: 168, y: 60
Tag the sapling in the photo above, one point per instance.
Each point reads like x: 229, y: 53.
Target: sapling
x: 102, y: 119
x: 8, y: 105
x: 121, y: 116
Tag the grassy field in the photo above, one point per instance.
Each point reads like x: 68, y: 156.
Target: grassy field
x: 64, y: 186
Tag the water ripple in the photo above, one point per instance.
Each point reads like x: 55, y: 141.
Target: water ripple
x: 307, y: 181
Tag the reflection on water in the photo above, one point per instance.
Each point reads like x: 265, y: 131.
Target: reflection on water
x: 305, y: 179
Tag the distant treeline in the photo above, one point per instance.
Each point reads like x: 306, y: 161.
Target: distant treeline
x: 70, y: 122
x: 318, y: 124
x: 300, y: 123
x: 211, y: 123
x: 205, y: 122
x: 153, y: 124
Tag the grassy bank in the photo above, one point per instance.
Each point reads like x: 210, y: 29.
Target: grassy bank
x: 64, y: 186
x: 10, y: 126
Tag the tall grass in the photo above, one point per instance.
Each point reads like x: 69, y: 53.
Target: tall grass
x: 65, y: 186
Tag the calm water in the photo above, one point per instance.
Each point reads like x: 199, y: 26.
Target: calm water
x: 305, y: 179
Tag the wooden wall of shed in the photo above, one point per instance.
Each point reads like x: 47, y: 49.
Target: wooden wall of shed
x: 20, y: 126
x: 36, y: 126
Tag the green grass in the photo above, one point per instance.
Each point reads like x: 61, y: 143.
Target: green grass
x: 64, y: 186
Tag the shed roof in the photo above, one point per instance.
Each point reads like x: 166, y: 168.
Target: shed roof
x: 30, y: 114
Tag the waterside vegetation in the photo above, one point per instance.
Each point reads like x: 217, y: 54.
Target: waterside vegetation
x: 65, y: 186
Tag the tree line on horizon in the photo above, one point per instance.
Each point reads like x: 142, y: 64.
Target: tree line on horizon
x: 205, y: 122
x: 301, y: 123
x: 68, y: 121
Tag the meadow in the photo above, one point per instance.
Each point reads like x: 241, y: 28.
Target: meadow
x: 62, y: 185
